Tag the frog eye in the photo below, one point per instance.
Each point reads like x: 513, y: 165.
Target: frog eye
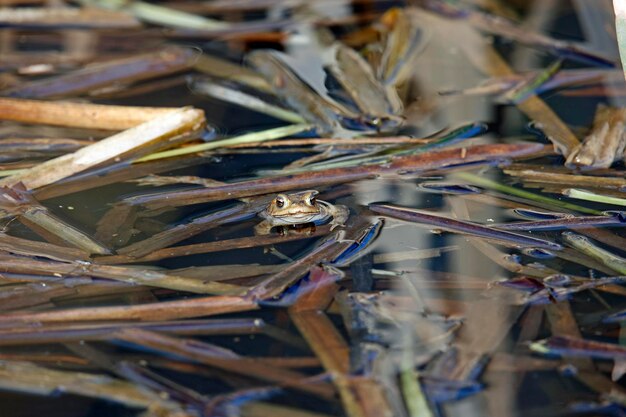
x: 281, y: 201
x: 311, y: 200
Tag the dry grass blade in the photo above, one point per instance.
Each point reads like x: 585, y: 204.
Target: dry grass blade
x: 109, y: 175
x: 164, y: 310
x: 33, y: 248
x: 141, y: 67
x: 157, y: 180
x: 38, y: 147
x: 133, y: 276
x: 203, y: 353
x: 27, y: 377
x: 70, y: 17
x: 34, y: 295
x: 82, y: 115
x: 155, y: 132
x: 398, y: 166
x: 472, y: 229
x: 569, y: 222
x: 210, y: 247
x: 74, y: 332
x: 543, y: 177
x: 46, y: 359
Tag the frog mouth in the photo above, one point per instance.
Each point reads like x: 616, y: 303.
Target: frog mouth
x: 299, y: 216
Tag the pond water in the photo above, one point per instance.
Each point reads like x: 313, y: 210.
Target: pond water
x: 467, y: 280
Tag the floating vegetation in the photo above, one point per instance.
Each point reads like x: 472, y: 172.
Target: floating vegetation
x: 605, y: 144
x: 590, y: 196
x: 446, y: 223
x: 311, y: 209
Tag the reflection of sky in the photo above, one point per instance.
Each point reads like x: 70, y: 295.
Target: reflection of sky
x: 441, y: 65
x: 331, y: 8
x: 307, y: 56
x: 304, y: 47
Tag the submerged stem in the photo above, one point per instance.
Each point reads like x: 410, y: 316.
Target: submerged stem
x: 507, y: 189
x: 615, y: 262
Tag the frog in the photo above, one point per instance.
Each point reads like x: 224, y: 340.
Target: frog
x: 300, y: 208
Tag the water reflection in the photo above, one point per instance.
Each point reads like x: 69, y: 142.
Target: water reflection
x: 309, y: 319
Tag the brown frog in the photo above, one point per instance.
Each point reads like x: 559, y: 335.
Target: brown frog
x: 300, y: 208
